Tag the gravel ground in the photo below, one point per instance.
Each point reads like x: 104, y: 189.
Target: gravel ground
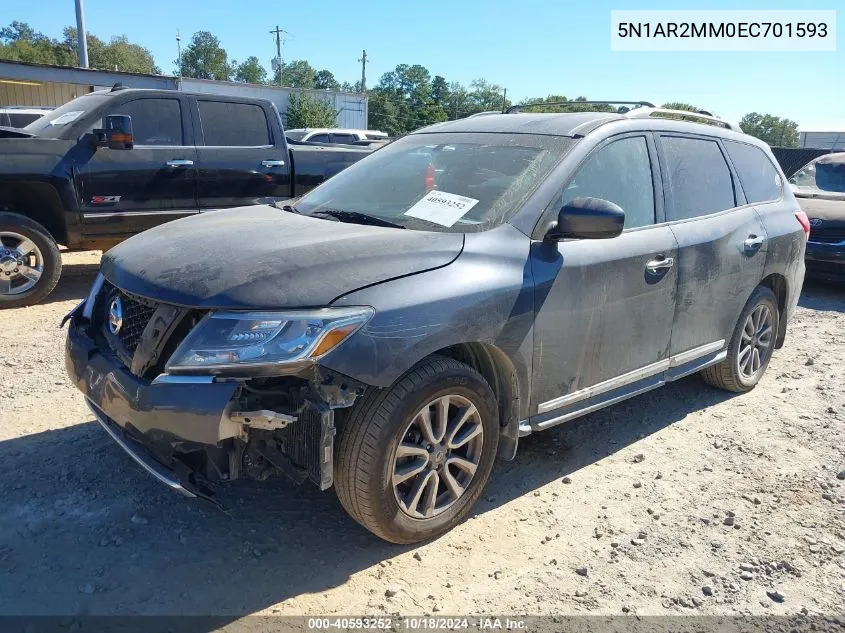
x: 687, y: 500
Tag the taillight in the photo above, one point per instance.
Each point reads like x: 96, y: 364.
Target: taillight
x: 429, y: 178
x: 804, y: 221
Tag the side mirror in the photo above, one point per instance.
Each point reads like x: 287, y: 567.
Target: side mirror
x: 589, y: 219
x: 117, y: 133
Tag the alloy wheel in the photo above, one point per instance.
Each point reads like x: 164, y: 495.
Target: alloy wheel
x: 437, y: 456
x: 21, y: 263
x: 756, y: 342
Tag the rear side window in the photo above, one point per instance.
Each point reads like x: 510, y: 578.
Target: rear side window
x: 619, y: 172
x: 154, y: 121
x: 319, y: 138
x: 699, y: 179
x: 759, y: 178
x: 346, y: 139
x: 226, y: 124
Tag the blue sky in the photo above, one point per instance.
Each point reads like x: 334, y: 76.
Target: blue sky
x: 532, y: 47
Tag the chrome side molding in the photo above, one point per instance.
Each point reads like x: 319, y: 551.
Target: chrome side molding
x: 630, y: 377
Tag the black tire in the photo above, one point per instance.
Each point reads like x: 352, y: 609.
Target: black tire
x: 52, y: 259
x: 727, y: 374
x: 370, y: 434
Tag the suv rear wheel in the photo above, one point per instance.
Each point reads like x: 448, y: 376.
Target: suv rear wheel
x: 751, y: 346
x: 30, y: 262
x: 413, y: 459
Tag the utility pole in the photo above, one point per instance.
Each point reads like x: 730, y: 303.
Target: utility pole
x: 80, y: 34
x: 363, y: 61
x: 179, y: 56
x: 504, y: 100
x: 279, y: 65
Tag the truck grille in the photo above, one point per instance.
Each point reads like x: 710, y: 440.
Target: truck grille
x: 827, y: 234
x: 136, y: 311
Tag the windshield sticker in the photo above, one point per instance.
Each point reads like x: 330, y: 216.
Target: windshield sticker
x: 67, y: 117
x: 441, y: 207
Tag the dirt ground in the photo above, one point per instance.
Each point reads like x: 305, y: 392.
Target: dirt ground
x: 687, y: 500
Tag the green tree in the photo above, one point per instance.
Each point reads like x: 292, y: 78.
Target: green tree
x: 440, y: 93
x: 384, y: 114
x: 773, y: 130
x: 251, y: 71
x: 205, y: 58
x: 298, y: 74
x: 677, y: 105
x: 306, y: 111
x: 21, y: 43
x: 485, y: 96
x: 116, y: 54
x: 324, y: 80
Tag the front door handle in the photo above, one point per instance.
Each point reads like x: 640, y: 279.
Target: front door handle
x: 753, y: 243
x: 663, y: 263
x: 273, y: 163
x: 180, y: 162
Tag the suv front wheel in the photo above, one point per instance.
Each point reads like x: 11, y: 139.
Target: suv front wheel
x: 751, y: 345
x: 413, y: 459
x: 30, y: 261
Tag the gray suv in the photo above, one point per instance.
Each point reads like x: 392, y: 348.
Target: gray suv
x: 394, y: 330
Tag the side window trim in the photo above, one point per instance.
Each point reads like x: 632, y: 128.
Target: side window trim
x: 664, y: 173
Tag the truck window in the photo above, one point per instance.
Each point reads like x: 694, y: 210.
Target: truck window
x: 759, y: 178
x: 154, y: 121
x: 320, y: 138
x: 226, y: 124
x: 699, y: 179
x: 344, y: 139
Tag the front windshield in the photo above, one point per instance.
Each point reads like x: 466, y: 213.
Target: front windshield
x: 55, y: 122
x: 822, y: 176
x: 451, y: 182
x: 295, y: 135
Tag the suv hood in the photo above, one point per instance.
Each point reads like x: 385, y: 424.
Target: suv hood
x: 260, y: 257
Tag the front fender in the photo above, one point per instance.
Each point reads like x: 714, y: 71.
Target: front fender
x: 484, y: 296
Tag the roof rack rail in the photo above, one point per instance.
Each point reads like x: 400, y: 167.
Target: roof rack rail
x: 644, y: 113
x: 636, y: 104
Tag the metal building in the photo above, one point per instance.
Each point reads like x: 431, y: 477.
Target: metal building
x: 822, y: 140
x: 44, y: 85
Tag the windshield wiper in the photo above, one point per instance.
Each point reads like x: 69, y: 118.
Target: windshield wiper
x: 356, y: 218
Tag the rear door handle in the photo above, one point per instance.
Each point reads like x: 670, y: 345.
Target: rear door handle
x: 273, y: 163
x: 656, y: 265
x: 753, y: 243
x: 180, y: 162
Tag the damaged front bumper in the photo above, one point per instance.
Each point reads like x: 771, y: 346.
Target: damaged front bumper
x: 193, y: 432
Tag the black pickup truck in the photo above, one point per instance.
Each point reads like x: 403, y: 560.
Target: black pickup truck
x: 114, y: 163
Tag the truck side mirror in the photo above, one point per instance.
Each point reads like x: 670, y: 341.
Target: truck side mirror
x: 117, y: 133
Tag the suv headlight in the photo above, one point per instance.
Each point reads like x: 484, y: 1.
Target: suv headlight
x: 243, y: 342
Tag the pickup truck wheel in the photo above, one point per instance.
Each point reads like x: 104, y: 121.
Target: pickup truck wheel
x: 30, y: 261
x: 751, y: 346
x: 413, y: 459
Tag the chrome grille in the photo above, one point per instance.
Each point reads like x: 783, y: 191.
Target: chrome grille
x: 137, y: 312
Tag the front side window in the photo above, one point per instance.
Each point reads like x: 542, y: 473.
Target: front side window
x: 759, y: 178
x: 824, y: 176
x: 226, y: 124
x: 154, y: 121
x: 455, y: 182
x: 621, y: 173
